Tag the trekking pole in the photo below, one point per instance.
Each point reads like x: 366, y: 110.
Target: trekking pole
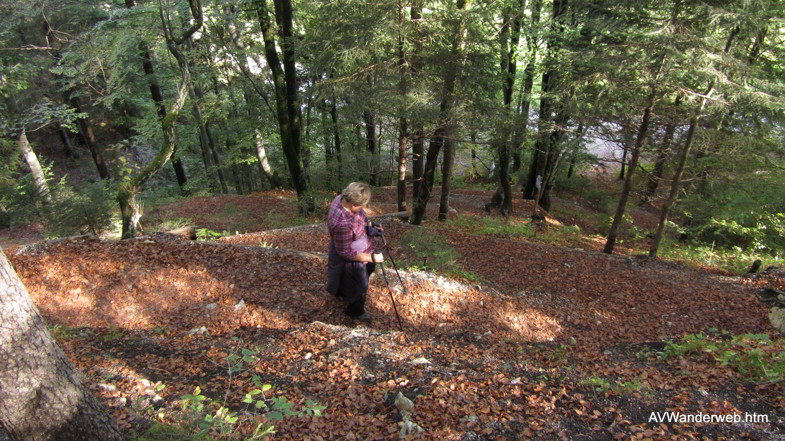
x: 393, y: 262
x: 395, y: 308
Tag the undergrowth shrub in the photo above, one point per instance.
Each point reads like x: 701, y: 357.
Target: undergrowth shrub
x: 432, y: 249
x: 87, y: 209
x: 208, y: 418
x: 598, y: 200
x: 754, y: 356
x: 735, y: 260
x: 575, y: 185
x: 492, y: 226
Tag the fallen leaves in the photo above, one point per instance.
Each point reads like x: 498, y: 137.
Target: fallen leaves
x: 508, y: 360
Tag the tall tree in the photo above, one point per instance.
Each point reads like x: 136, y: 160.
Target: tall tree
x: 549, y: 126
x: 285, y: 83
x: 521, y: 127
x: 158, y: 98
x: 129, y: 189
x: 508, y: 43
x: 693, y: 127
x: 41, y: 396
x: 445, y: 124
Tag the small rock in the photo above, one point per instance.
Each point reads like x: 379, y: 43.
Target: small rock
x: 483, y: 335
x: 107, y: 387
x: 308, y: 356
x: 202, y: 330
x: 471, y: 436
x: 403, y: 404
x: 470, y: 418
x: 516, y: 380
x: 240, y: 305
x: 777, y: 318
x: 157, y: 401
x: 420, y: 360
x: 409, y: 428
x: 211, y: 306
x: 145, y: 382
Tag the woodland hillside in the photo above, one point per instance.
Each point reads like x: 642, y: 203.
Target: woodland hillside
x: 584, y: 199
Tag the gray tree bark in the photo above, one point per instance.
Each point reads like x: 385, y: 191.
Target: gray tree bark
x: 41, y: 396
x: 23, y: 145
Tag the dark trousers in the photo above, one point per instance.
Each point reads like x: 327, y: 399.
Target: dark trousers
x: 357, y: 301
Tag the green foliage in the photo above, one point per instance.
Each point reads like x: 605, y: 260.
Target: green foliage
x: 603, y: 386
x: 86, y: 209
x: 206, y: 416
x: 575, y: 185
x: 767, y: 232
x: 493, y: 226
x: 599, y: 200
x: 207, y: 234
x: 62, y: 332
x: 736, y: 260
x: 431, y: 248
x: 754, y: 356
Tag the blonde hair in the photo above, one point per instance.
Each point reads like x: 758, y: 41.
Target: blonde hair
x: 357, y: 193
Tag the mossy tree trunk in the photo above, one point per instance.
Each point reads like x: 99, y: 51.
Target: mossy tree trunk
x: 129, y: 189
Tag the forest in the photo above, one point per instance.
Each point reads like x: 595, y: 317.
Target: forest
x: 588, y: 193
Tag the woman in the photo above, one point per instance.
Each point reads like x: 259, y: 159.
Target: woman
x: 351, y: 254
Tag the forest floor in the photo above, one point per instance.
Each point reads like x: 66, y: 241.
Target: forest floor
x: 522, y: 339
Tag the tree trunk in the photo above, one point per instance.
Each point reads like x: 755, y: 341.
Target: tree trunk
x: 285, y: 84
x: 447, y: 162
x: 158, y: 98
x: 574, y: 156
x: 674, y: 188
x: 623, y: 162
x: 216, y: 158
x: 371, y: 146
x: 417, y: 133
x: 653, y: 181
x: 23, y: 145
x: 92, y: 144
x: 205, y: 134
x: 68, y: 146
x: 41, y: 396
x: 264, y: 164
x: 508, y: 68
x: 336, y: 137
x: 519, y: 138
x: 418, y: 161
x: 627, y: 187
x: 403, y: 150
x: 126, y: 194
x: 683, y: 158
x: 545, y: 126
x: 403, y: 124
x: 444, y: 123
